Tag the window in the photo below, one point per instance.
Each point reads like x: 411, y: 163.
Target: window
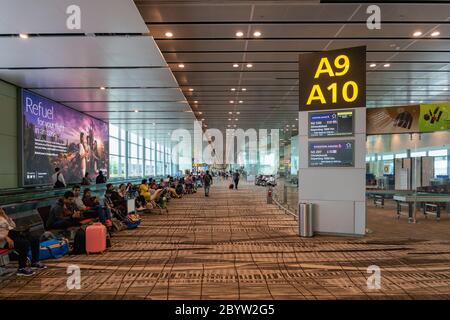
x: 136, y: 156
x: 388, y: 157
x: 437, y: 153
x: 401, y: 155
x: 418, y: 154
x: 117, y: 154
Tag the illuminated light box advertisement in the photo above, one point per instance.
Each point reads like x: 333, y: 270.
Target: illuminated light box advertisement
x: 331, y: 153
x: 434, y: 117
x: 329, y: 124
x: 54, y: 135
x: 402, y: 119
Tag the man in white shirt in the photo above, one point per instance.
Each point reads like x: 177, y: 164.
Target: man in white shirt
x: 58, y: 179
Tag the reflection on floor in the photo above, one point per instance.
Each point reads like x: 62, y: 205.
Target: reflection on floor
x: 233, y: 245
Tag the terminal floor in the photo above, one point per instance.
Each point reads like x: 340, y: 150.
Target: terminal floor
x: 233, y: 245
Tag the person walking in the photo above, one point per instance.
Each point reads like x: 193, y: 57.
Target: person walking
x: 236, y: 177
x: 207, y: 182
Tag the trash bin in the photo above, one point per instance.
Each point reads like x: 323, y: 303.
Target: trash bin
x: 269, y: 195
x: 305, y: 222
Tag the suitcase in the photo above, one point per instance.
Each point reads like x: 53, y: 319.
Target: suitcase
x: 96, y: 238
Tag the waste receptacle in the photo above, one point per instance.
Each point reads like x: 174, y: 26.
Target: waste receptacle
x: 305, y: 222
x: 269, y: 195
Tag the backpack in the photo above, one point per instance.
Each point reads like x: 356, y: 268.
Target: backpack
x: 59, y: 184
x: 79, y: 242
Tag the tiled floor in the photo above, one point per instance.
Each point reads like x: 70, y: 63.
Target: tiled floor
x: 233, y: 245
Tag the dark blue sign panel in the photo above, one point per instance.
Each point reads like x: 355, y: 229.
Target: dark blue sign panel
x: 329, y: 124
x: 331, y: 153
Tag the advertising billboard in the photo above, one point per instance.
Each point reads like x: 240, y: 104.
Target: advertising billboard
x: 434, y: 117
x: 54, y: 135
x: 402, y: 119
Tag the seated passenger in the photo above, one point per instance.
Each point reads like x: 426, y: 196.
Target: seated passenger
x: 98, y: 211
x: 144, y: 190
x: 118, y: 212
x: 58, y: 179
x: 62, y: 214
x: 100, y: 178
x: 21, y: 243
x: 122, y: 191
x: 86, y: 181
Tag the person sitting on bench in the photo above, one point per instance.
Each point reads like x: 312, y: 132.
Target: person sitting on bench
x: 21, y: 243
x: 62, y: 214
x: 96, y: 210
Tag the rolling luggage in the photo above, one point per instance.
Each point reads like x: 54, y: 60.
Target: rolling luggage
x: 96, y: 238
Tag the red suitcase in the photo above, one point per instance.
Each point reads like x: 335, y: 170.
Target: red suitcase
x: 96, y: 238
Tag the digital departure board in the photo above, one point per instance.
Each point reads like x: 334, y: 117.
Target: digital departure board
x: 329, y: 124
x: 331, y: 153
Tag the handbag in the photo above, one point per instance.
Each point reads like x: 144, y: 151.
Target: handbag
x: 53, y: 249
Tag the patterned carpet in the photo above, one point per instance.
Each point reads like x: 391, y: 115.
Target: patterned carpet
x: 233, y: 245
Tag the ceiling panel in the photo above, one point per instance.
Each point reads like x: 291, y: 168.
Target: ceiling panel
x: 49, y: 16
x: 80, y: 51
x: 62, y: 78
x: 147, y: 94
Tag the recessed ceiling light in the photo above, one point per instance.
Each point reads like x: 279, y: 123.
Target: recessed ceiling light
x: 244, y: 89
x: 23, y: 36
x: 230, y: 112
x: 200, y: 112
x: 231, y: 101
x: 296, y: 119
x: 386, y: 65
x: 154, y: 124
x: 236, y: 119
x: 136, y: 111
x: 293, y: 125
x: 235, y: 65
x: 445, y: 89
x: 240, y: 101
x: 228, y: 127
x: 203, y: 119
x: 435, y: 34
x: 102, y: 88
x: 169, y: 34
x: 229, y: 119
x: 257, y: 34
x: 249, y: 65
x: 287, y: 125
x: 181, y: 65
x: 238, y: 112
x: 372, y: 65
x: 417, y: 33
x: 235, y: 126
x: 233, y: 89
x: 239, y: 34
x: 191, y: 89
x: 195, y: 101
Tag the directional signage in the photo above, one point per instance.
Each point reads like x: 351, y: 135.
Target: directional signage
x: 331, y: 153
x: 329, y: 124
x: 333, y: 79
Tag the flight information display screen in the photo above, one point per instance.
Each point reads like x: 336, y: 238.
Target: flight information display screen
x: 329, y: 124
x: 331, y: 153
